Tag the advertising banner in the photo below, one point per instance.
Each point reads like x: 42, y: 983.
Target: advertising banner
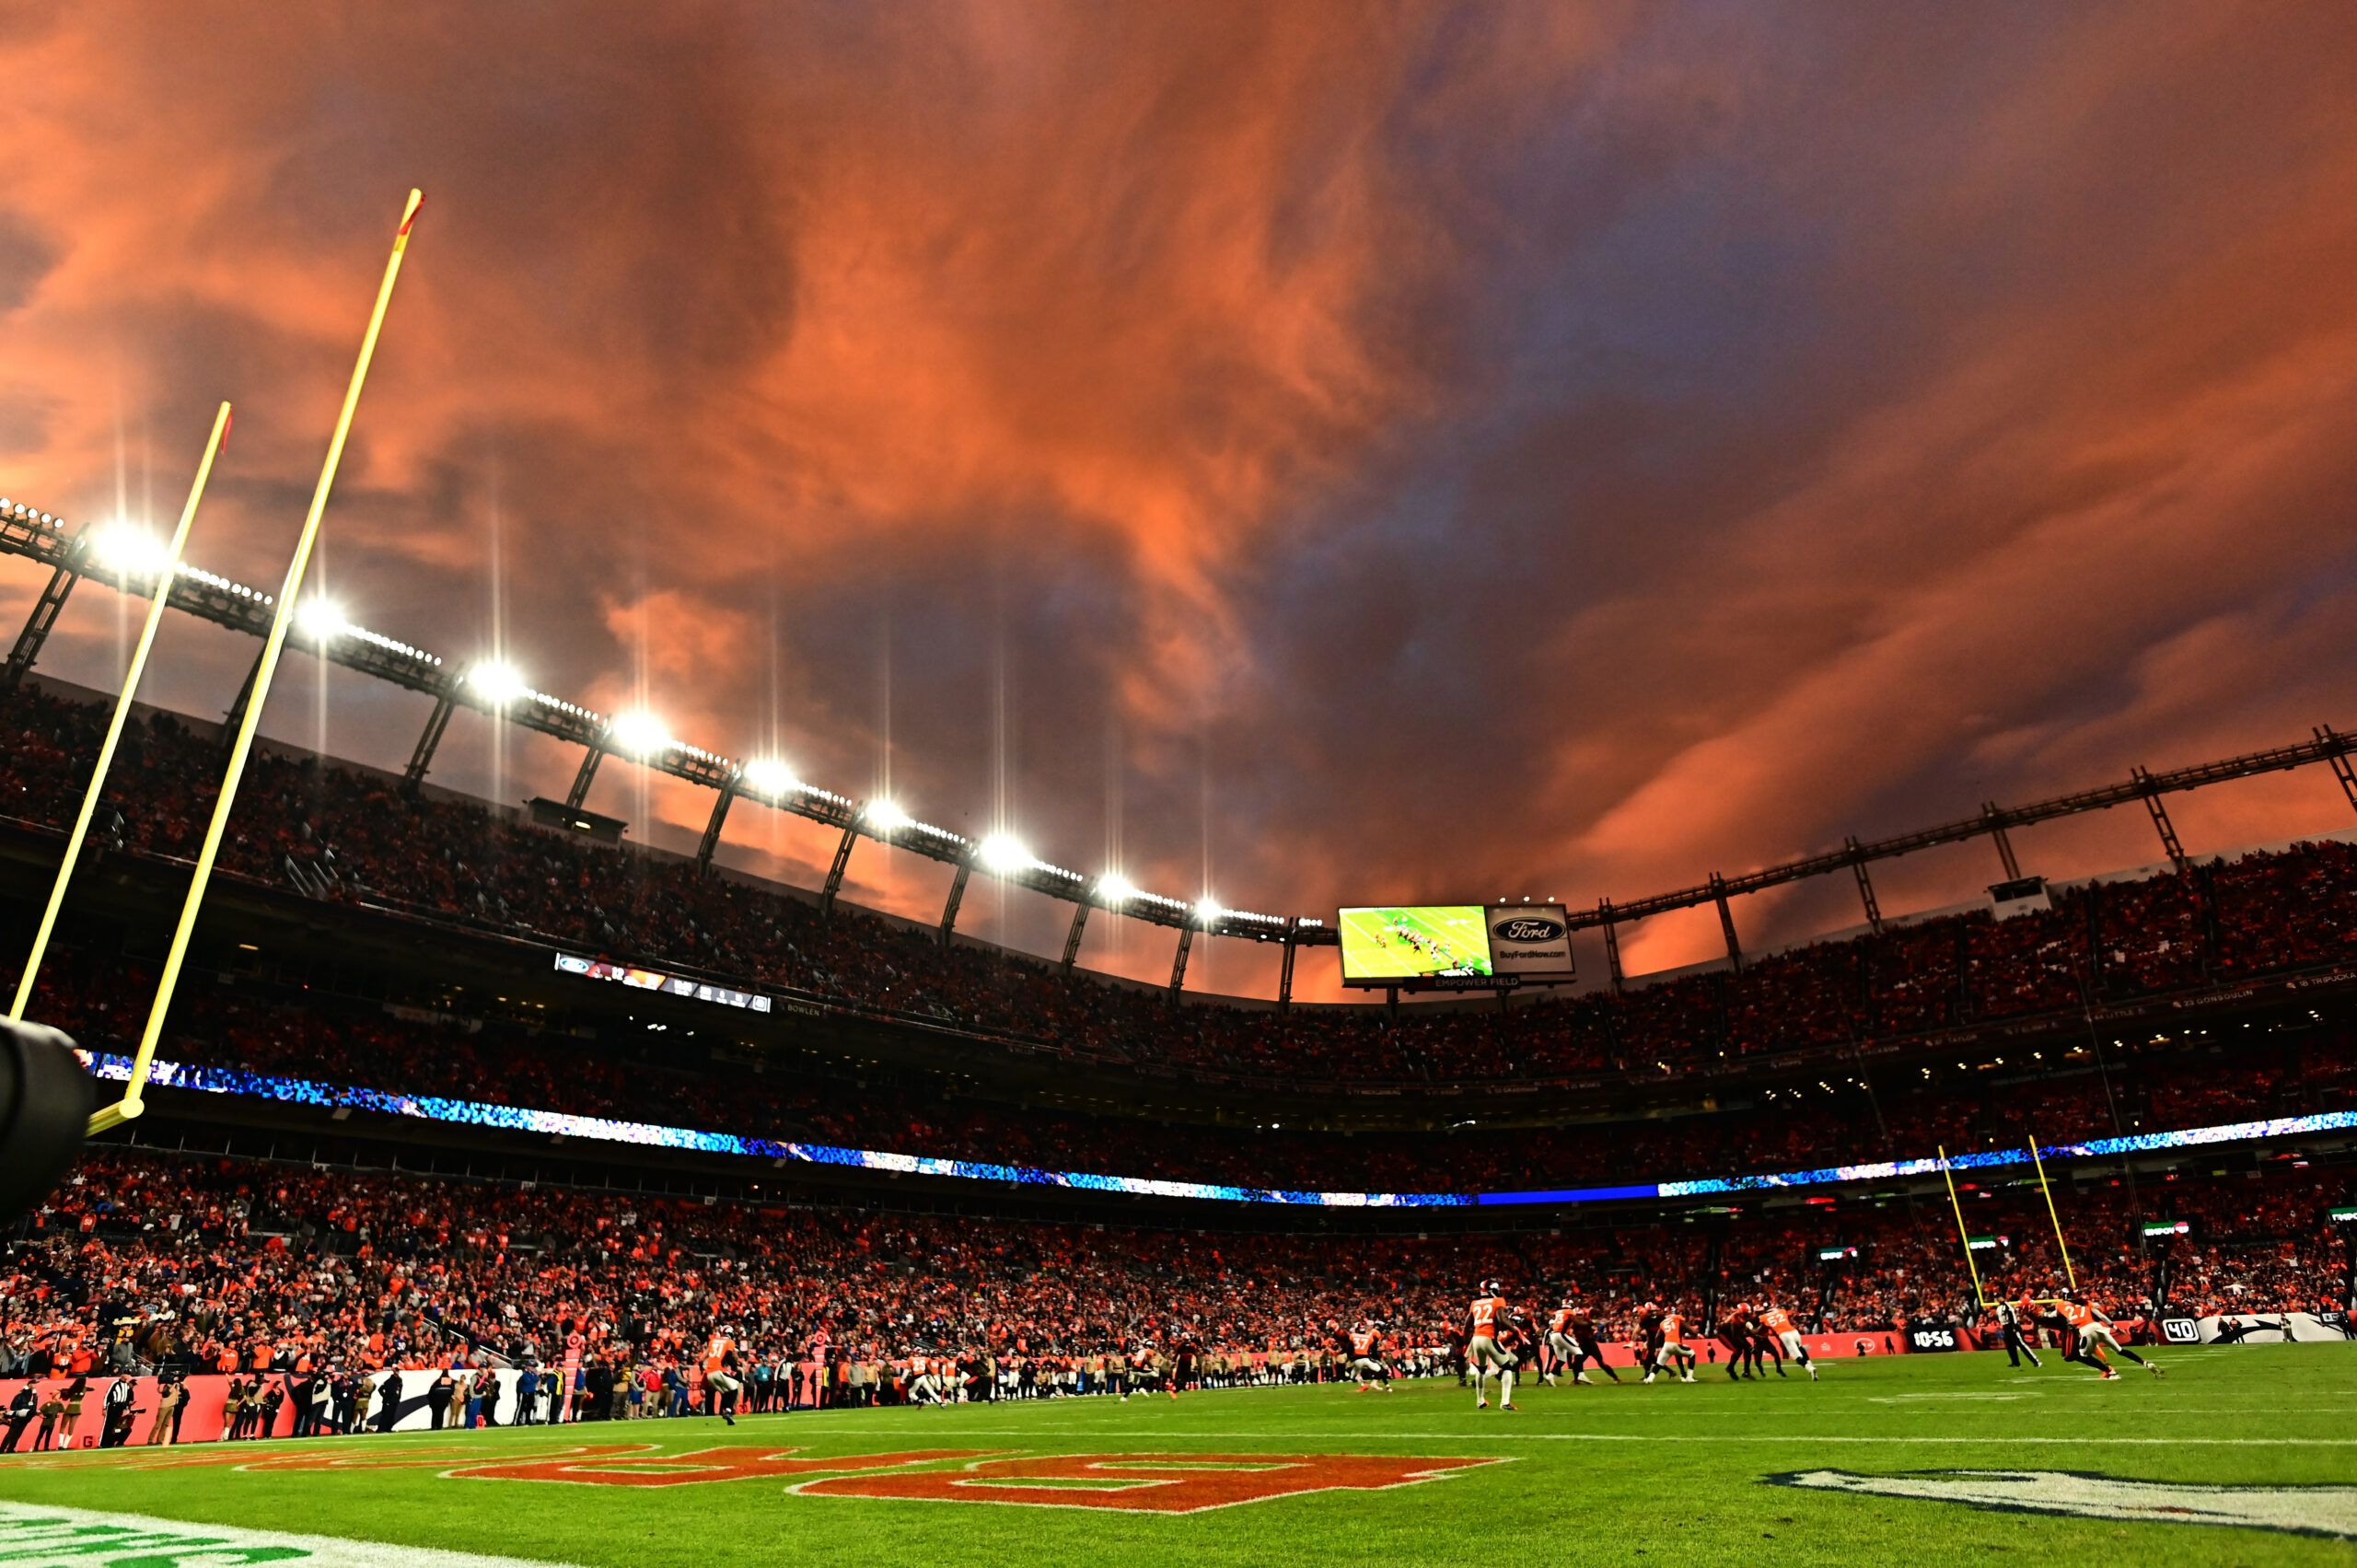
x: 202, y: 1415
x: 2274, y: 1327
x: 1530, y: 941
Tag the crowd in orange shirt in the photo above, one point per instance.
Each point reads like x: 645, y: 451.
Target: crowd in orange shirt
x: 208, y: 1264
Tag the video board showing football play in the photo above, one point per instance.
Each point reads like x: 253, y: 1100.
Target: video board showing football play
x: 1400, y: 944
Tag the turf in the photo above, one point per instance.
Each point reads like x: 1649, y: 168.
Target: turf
x: 1663, y: 1474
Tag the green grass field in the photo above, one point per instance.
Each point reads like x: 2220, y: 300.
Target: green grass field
x: 1663, y: 1474
x: 1457, y: 930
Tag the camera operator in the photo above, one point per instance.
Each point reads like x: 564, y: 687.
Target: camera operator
x: 171, y: 1399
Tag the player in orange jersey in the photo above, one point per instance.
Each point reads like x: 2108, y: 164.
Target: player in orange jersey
x: 1485, y: 1322
x: 2091, y: 1333
x: 927, y: 1379
x: 1559, y: 1344
x: 1673, y: 1354
x: 1779, y: 1322
x: 720, y: 1373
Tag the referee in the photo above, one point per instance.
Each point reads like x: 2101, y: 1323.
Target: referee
x: 2009, y: 1318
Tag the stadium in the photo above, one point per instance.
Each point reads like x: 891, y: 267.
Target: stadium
x: 1774, y: 1037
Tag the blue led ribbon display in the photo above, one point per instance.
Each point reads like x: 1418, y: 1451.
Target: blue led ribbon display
x: 478, y: 1113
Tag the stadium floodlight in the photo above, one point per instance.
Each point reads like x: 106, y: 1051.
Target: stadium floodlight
x: 884, y: 818
x: 767, y: 775
x: 319, y: 621
x: 499, y: 683
x: 639, y: 734
x: 1208, y: 911
x: 1003, y: 855
x: 1115, y: 890
x: 130, y: 551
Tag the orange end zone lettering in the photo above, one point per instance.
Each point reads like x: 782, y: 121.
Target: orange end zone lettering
x: 644, y: 1465
x: 1149, y: 1484
x: 443, y: 1457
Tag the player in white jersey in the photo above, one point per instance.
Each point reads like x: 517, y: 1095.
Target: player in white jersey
x: 1560, y: 1349
x: 1366, y: 1344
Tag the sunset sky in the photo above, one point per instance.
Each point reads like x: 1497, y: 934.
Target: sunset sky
x: 1307, y: 454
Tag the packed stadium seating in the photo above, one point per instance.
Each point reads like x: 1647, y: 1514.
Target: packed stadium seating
x: 228, y: 1264
x: 457, y: 863
x: 2145, y: 1087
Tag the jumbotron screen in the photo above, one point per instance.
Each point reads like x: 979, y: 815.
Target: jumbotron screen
x: 1417, y: 942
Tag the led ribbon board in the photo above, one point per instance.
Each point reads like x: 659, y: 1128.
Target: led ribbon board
x: 480, y: 1113
x: 658, y: 979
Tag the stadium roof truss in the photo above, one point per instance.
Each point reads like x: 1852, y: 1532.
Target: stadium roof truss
x: 43, y: 539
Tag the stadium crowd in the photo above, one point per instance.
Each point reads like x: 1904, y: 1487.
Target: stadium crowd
x: 183, y: 1264
x: 357, y: 836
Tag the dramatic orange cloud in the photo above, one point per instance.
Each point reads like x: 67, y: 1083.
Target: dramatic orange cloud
x: 1307, y: 453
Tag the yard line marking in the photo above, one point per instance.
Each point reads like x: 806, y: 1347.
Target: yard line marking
x: 46, y: 1532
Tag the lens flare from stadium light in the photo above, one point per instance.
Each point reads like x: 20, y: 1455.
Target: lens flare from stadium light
x: 639, y: 734
x: 499, y: 683
x: 319, y: 621
x: 1115, y: 890
x: 1002, y: 853
x: 1208, y: 911
x: 884, y: 818
x: 767, y: 775
x: 129, y: 550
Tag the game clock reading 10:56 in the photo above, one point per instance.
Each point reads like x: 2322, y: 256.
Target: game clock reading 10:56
x: 1415, y: 942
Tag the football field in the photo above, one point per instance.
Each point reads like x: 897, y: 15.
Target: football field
x: 2241, y: 1455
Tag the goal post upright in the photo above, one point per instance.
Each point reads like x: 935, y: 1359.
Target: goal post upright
x: 1962, y: 1234
x: 129, y: 1108
x: 167, y: 570
x: 2068, y: 1271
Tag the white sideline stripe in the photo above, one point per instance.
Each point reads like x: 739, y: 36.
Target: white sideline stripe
x: 34, y: 1534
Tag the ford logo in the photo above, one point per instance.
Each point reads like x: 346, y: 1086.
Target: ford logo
x: 1528, y: 928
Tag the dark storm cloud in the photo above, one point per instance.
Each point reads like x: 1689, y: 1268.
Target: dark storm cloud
x: 1302, y: 453
x: 26, y: 257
